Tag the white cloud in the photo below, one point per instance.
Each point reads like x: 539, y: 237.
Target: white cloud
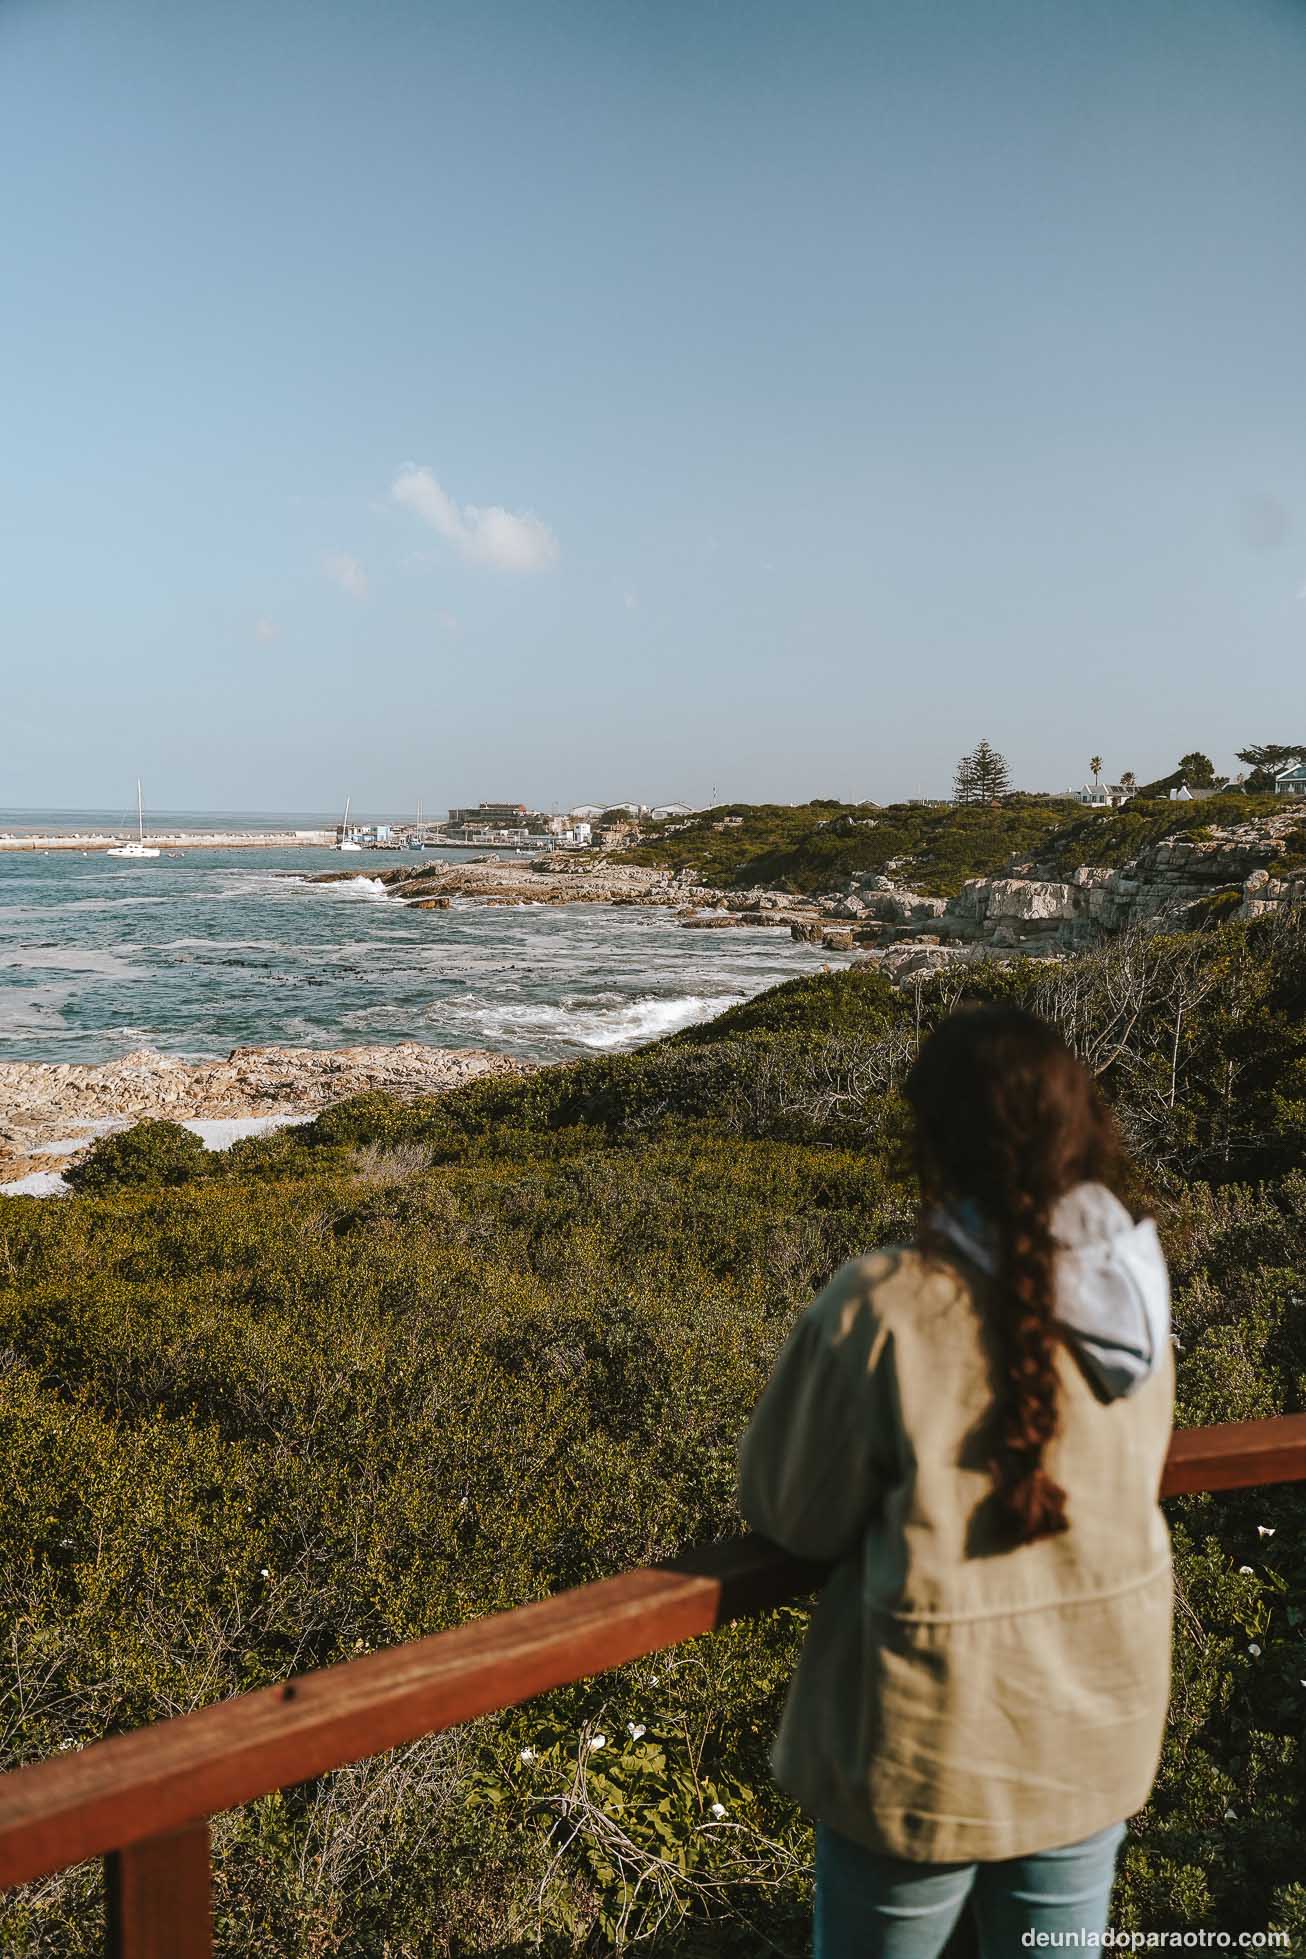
x: 483, y: 534
x: 266, y: 629
x: 346, y: 572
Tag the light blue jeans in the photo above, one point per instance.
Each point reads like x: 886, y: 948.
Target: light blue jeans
x: 873, y: 1907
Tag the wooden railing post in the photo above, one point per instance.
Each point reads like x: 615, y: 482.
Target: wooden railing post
x: 159, y: 1897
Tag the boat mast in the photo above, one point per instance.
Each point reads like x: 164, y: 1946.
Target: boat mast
x: 140, y: 812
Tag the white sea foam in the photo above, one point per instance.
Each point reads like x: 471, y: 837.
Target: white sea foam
x: 115, y: 904
x: 357, y: 887
x: 231, y: 945
x: 590, y: 1025
x: 67, y: 959
x: 35, y: 1010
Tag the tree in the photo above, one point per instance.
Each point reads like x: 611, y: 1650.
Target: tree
x: 1128, y: 781
x: 1265, y: 759
x: 981, y: 776
x: 963, y: 781
x: 992, y: 778
x: 1271, y: 755
x: 1095, y: 767
x: 1197, y: 770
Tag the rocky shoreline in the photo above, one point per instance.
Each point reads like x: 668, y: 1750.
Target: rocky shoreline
x: 45, y: 1103
x: 552, y: 880
x: 1027, y: 910
x: 573, y: 881
x: 1248, y: 870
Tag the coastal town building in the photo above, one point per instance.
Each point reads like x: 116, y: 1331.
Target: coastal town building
x: 1291, y: 781
x: 515, y: 814
x: 570, y: 833
x: 1102, y: 795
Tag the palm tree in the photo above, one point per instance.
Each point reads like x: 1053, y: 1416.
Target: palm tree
x: 1095, y: 765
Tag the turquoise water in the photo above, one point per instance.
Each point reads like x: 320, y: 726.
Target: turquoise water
x: 214, y: 949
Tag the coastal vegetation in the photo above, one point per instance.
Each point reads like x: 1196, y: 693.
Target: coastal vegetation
x: 807, y: 847
x: 412, y: 1362
x: 931, y: 847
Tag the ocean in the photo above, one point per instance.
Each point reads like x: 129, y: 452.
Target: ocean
x: 200, y: 953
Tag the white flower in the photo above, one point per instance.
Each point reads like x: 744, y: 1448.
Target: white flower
x: 597, y: 1741
x: 1254, y: 1650
x: 635, y: 1729
x: 1265, y: 1530
x: 718, y: 1810
x: 1246, y: 1571
x: 264, y: 1572
x: 1231, y: 1816
x: 526, y: 1755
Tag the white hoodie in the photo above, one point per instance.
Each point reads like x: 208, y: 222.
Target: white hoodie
x: 1112, y: 1287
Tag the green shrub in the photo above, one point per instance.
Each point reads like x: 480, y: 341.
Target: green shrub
x: 149, y: 1155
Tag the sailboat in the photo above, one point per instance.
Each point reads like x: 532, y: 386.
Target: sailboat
x: 347, y: 842
x: 419, y: 841
x: 138, y: 846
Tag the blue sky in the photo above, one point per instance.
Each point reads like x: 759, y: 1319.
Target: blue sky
x: 570, y: 401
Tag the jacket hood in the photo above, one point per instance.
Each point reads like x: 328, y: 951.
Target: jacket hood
x: 1112, y: 1286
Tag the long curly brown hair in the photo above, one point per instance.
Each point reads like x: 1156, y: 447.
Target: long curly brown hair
x: 1008, y: 1120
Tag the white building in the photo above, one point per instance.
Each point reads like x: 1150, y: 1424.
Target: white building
x: 1291, y: 781
x: 1102, y: 795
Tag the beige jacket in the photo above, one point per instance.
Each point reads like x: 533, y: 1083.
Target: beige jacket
x: 955, y: 1703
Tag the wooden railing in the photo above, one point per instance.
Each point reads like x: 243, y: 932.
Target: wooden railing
x: 142, y: 1800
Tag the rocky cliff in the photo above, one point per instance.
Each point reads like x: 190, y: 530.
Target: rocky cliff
x: 1244, y: 870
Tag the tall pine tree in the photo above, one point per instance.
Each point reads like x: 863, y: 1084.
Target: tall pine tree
x: 992, y: 777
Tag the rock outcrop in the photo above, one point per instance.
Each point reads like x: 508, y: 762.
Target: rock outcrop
x: 544, y: 880
x: 43, y: 1102
x: 1253, y: 869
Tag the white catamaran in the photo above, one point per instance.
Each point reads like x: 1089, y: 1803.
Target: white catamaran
x: 347, y: 840
x: 138, y: 846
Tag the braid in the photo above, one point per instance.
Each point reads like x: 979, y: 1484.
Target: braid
x: 1007, y: 1120
x: 1025, y: 1403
